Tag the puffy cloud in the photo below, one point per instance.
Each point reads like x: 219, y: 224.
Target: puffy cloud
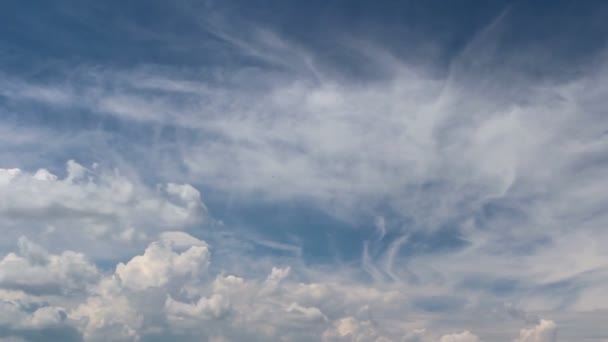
x: 15, y: 314
x: 170, y: 291
x: 93, y: 204
x: 7, y: 175
x: 62, y: 295
x: 108, y: 314
x: 215, y: 307
x: 170, y: 284
x: 23, y: 318
x: 160, y: 263
x: 34, y: 270
x: 465, y: 336
x: 351, y: 329
x: 305, y: 313
x: 544, y: 331
x: 119, y: 303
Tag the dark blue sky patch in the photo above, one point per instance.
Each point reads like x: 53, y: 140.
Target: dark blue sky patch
x: 38, y: 38
x: 323, y: 238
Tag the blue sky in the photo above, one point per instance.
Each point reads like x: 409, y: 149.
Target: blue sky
x: 303, y: 171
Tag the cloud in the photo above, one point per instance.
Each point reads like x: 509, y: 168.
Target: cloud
x: 170, y: 283
x: 544, y: 331
x: 25, y: 318
x: 33, y: 270
x: 107, y: 313
x: 349, y: 329
x: 169, y: 291
x: 160, y: 263
x: 464, y: 336
x: 485, y: 182
x: 93, y: 204
x: 15, y: 315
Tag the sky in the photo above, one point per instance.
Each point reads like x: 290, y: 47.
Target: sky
x: 430, y: 171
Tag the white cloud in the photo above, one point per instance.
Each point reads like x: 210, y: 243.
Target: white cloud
x: 23, y: 317
x: 15, y: 315
x: 214, y: 307
x: 169, y: 291
x: 465, y: 336
x: 34, y: 270
x: 108, y: 314
x: 160, y: 263
x: 305, y: 313
x: 350, y: 329
x: 6, y: 175
x: 93, y: 205
x: 544, y: 331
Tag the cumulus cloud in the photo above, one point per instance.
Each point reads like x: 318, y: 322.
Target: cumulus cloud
x: 108, y: 313
x: 170, y: 282
x: 169, y: 291
x: 26, y: 317
x: 93, y: 204
x: 464, y: 336
x: 34, y: 270
x: 350, y: 329
x: 544, y: 331
x: 16, y: 315
x: 160, y: 263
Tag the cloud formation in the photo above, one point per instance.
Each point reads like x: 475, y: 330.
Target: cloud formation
x: 169, y: 292
x: 93, y: 204
x: 464, y: 336
x: 544, y: 331
x: 243, y: 179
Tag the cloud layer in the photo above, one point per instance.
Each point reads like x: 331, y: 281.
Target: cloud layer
x: 168, y: 292
x: 227, y: 179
